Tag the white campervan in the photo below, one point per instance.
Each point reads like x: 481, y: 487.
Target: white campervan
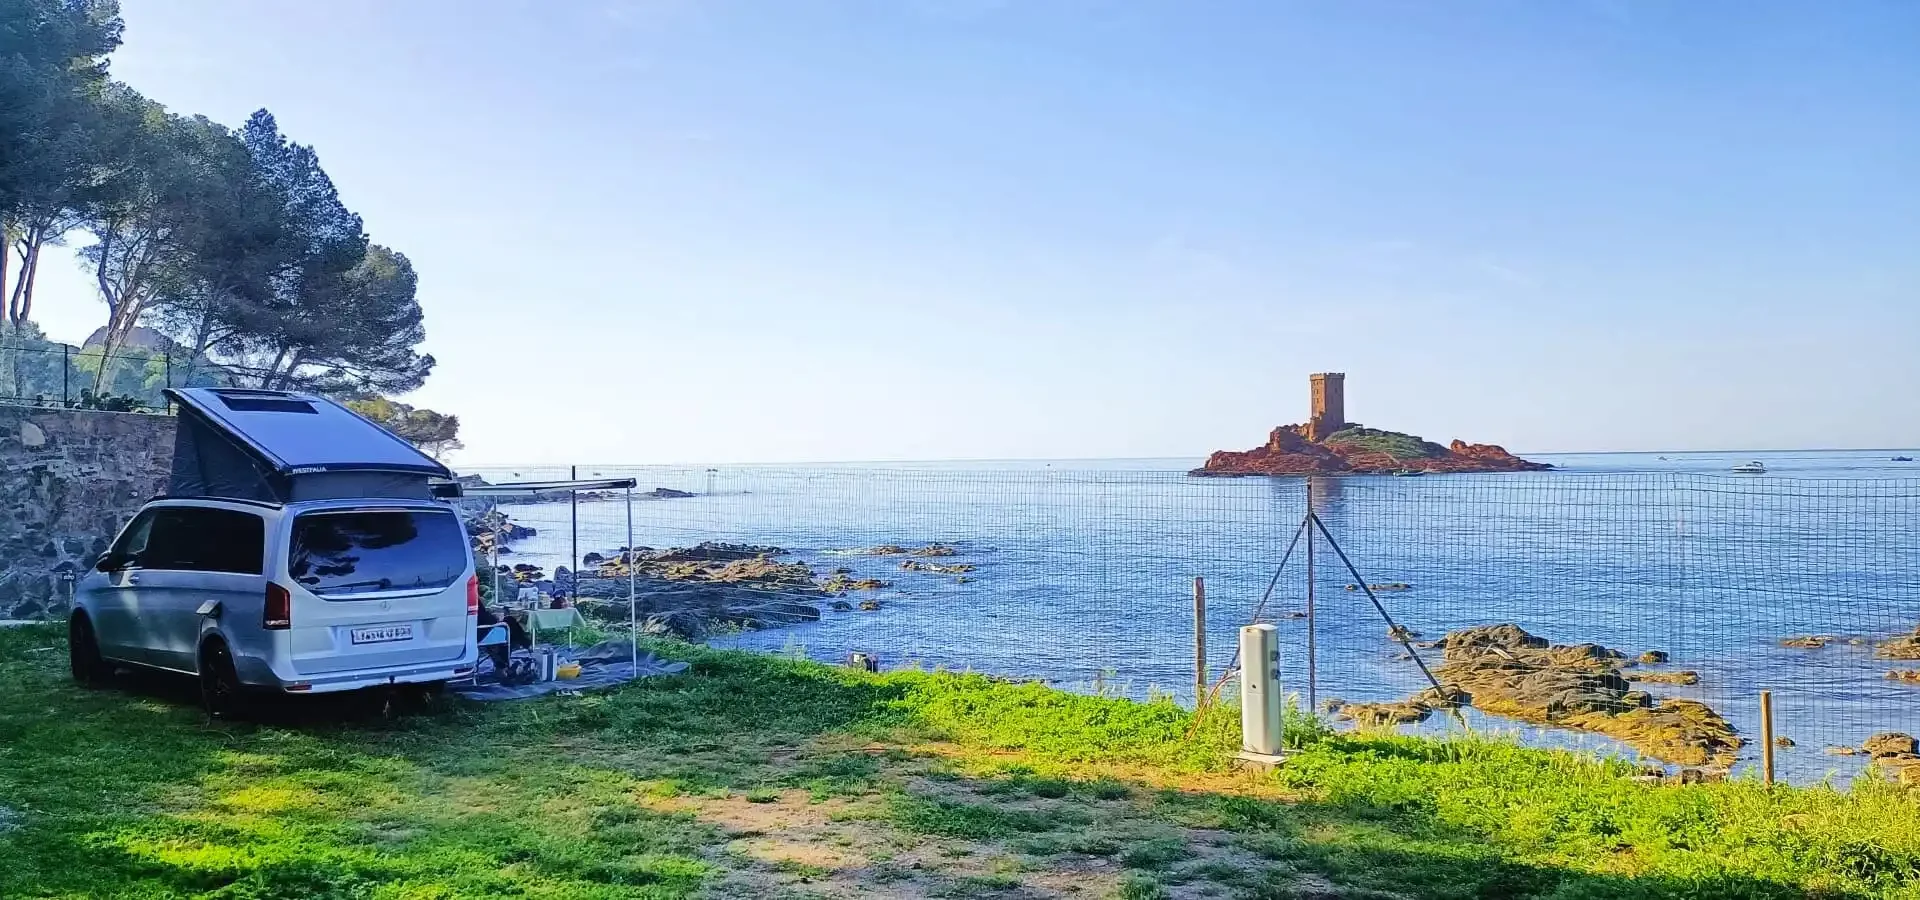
x: 301, y: 549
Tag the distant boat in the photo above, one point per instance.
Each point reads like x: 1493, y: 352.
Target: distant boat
x: 1409, y: 473
x: 1903, y: 459
x: 1753, y: 468
x: 1663, y: 459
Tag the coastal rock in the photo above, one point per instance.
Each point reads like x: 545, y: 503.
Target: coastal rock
x: 898, y: 550
x: 661, y: 493
x: 914, y: 565
x: 1909, y: 676
x: 712, y: 551
x: 1507, y: 671
x: 1653, y: 657
x: 1684, y: 678
x: 683, y: 624
x: 688, y: 591
x: 490, y: 531
x: 1906, y: 646
x: 1384, y: 715
x: 1890, y: 743
x: 1808, y: 642
x: 1360, y: 451
x: 1897, y: 753
x: 840, y: 584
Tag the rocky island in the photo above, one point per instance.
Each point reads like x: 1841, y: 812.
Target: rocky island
x: 1330, y: 445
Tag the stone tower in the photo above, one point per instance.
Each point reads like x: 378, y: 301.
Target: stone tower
x: 1329, y: 405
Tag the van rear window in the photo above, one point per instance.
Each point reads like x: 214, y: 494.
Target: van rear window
x: 358, y: 551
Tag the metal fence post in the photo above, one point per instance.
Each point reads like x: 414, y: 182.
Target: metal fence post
x: 1199, y: 643
x: 66, y: 368
x: 573, y: 499
x: 1313, y: 622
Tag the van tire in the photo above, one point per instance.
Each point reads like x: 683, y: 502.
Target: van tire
x: 220, y: 688
x: 83, y: 653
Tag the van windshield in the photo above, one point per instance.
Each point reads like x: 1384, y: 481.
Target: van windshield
x: 358, y: 551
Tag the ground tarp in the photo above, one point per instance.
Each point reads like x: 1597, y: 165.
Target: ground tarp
x: 603, y: 665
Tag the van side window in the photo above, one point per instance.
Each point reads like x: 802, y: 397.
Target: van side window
x: 193, y: 539
x: 133, y: 542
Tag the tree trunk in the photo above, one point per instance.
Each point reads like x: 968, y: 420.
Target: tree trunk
x: 6, y: 247
x: 285, y: 381
x: 266, y: 377
x: 29, y: 270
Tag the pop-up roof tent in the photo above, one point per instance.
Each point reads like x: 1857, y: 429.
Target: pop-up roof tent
x: 282, y: 447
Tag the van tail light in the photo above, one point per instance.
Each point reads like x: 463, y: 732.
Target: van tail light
x: 279, y: 610
x: 473, y: 595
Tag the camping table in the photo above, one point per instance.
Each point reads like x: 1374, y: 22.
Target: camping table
x: 538, y: 618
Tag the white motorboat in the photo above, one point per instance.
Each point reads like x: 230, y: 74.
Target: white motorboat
x: 1752, y: 468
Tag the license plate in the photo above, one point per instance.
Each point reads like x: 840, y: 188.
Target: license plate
x: 382, y: 634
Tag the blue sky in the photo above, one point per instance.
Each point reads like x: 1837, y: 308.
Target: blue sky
x: 666, y: 231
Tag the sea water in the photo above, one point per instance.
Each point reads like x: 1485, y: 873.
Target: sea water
x: 1084, y: 571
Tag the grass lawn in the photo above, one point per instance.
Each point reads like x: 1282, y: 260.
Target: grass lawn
x: 755, y: 776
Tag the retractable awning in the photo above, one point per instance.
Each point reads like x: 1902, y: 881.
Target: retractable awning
x: 536, y: 488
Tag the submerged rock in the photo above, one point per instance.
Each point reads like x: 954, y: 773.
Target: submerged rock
x: 914, y: 565
x: 1808, y: 642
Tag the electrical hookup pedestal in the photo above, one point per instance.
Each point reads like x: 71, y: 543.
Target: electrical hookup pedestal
x: 1261, y: 705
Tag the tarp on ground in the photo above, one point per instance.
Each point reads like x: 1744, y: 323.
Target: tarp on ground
x: 284, y: 446
x: 603, y: 665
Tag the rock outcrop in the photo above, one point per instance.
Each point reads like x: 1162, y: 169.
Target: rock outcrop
x: 1506, y: 671
x: 1896, y: 752
x: 1357, y: 450
x: 1906, y: 646
x: 914, y: 565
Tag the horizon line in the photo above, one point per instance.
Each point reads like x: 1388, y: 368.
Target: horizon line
x: 1054, y: 459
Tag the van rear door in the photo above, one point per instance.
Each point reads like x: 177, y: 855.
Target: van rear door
x: 377, y: 587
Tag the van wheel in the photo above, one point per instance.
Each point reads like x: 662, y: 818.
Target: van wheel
x: 83, y: 652
x: 219, y: 681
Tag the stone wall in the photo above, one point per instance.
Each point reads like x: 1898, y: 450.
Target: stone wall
x: 68, y: 480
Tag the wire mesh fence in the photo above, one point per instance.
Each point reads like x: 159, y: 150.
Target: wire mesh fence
x: 57, y: 375
x: 1670, y: 601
